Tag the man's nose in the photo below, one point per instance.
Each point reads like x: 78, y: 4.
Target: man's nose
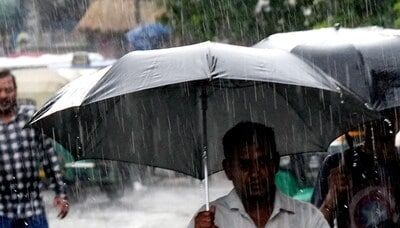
x: 254, y: 169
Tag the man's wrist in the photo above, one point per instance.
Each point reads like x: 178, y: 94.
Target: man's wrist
x: 329, y: 200
x: 328, y: 207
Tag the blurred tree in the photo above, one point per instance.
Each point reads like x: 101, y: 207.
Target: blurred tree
x: 396, y: 9
x: 248, y: 21
x: 198, y: 20
x: 61, y: 14
x: 350, y: 13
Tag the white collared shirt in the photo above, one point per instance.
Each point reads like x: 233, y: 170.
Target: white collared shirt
x: 287, y: 212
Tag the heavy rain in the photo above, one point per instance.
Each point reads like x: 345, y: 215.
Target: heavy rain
x: 199, y: 113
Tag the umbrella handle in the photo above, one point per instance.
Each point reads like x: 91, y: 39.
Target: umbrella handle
x: 205, y: 170
x: 205, y: 143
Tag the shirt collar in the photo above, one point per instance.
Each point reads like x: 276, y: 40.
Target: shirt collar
x: 281, y: 203
x: 19, y: 110
x: 234, y: 202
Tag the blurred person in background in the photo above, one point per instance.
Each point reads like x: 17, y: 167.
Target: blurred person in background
x: 360, y: 186
x: 22, y: 152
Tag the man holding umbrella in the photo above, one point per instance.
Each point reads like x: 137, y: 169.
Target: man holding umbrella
x: 21, y: 152
x: 251, y: 161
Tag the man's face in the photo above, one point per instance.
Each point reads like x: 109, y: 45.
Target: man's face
x: 252, y: 172
x: 8, y: 94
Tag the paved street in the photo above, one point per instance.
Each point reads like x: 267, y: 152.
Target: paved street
x: 168, y: 203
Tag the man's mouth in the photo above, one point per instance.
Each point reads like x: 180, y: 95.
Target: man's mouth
x: 5, y: 105
x: 255, y: 187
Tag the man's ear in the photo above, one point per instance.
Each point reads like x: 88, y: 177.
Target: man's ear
x: 276, y: 165
x: 276, y: 169
x: 227, y: 168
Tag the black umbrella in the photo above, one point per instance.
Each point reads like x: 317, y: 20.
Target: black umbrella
x: 365, y: 60
x: 169, y: 108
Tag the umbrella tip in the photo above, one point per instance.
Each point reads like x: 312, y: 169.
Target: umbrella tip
x: 336, y: 26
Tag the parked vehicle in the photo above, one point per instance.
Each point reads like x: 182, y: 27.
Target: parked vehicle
x: 110, y: 177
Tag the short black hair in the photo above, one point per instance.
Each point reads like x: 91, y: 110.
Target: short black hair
x: 5, y: 72
x: 247, y: 133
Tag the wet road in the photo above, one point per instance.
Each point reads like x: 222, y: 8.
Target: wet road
x: 167, y: 203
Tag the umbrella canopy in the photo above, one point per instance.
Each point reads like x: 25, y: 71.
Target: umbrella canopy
x: 38, y: 84
x: 117, y: 15
x: 365, y: 60
x: 149, y: 36
x: 163, y: 107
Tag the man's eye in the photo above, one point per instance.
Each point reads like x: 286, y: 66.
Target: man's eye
x: 7, y: 90
x: 245, y: 164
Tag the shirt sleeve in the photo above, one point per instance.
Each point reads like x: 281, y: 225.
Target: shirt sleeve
x: 51, y: 165
x: 320, y: 221
x: 191, y: 223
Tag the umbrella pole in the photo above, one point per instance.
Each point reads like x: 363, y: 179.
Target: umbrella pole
x: 205, y: 144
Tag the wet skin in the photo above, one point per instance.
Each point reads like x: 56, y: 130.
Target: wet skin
x: 8, y: 98
x: 252, y: 173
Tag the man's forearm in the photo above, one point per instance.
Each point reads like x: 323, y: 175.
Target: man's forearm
x: 52, y: 167
x: 328, y: 208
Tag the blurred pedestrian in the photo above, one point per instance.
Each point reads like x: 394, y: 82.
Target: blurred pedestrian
x: 360, y: 187
x: 22, y: 152
x: 251, y: 161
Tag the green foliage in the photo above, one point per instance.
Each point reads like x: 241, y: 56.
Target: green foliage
x: 396, y: 9
x: 354, y: 13
x: 199, y: 20
x: 245, y: 22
